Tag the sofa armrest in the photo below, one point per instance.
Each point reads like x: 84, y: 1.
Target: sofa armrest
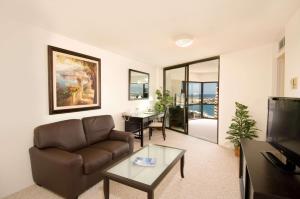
x: 122, y: 136
x: 58, y: 170
x: 57, y: 156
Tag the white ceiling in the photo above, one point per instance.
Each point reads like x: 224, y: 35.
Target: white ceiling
x: 145, y: 29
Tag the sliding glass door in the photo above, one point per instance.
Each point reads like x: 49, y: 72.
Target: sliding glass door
x: 194, y: 87
x: 203, y: 100
x: 174, y: 79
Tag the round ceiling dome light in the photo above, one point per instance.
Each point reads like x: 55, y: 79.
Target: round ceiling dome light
x: 184, y: 41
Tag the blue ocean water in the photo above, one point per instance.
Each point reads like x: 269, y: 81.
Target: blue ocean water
x: 204, y: 96
x: 207, y: 109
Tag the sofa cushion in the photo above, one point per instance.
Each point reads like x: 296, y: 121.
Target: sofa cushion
x: 97, y: 128
x: 67, y: 135
x: 117, y: 148
x: 94, y: 159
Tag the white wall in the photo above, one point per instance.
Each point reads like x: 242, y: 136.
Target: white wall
x: 246, y: 77
x: 24, y: 94
x: 292, y: 55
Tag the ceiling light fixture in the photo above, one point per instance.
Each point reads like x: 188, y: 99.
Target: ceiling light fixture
x: 184, y: 41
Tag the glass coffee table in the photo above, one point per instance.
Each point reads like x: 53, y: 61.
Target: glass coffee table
x: 141, y: 177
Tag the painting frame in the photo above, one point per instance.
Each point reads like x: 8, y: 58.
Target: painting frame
x: 52, y: 81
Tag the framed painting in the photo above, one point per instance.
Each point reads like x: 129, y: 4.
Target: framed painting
x: 74, y: 81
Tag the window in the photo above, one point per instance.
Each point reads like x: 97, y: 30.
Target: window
x: 202, y: 100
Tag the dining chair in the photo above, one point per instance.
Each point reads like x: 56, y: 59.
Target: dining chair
x: 159, y: 125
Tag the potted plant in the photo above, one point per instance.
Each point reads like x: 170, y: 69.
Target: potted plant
x: 162, y: 101
x: 242, y: 126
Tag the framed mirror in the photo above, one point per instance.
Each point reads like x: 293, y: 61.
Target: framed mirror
x: 138, y: 88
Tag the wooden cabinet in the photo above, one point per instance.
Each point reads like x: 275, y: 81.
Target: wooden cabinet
x: 259, y: 179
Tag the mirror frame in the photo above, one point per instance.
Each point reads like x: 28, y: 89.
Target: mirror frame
x: 129, y: 82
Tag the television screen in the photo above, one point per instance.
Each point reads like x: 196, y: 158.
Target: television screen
x: 284, y: 126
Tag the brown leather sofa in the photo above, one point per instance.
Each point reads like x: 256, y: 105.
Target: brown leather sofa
x: 69, y: 156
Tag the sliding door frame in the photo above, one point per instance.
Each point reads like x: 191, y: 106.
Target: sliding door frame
x: 186, y: 76
x: 186, y: 66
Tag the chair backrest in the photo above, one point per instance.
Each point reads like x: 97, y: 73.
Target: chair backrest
x: 164, y: 120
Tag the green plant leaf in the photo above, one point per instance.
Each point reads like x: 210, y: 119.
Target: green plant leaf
x: 242, y: 126
x: 163, y: 100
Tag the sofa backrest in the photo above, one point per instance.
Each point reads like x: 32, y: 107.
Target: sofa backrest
x: 97, y: 128
x: 67, y: 135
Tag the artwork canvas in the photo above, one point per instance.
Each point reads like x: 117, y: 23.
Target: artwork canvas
x: 74, y: 81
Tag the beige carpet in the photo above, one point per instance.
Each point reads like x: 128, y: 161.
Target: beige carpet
x: 206, y: 129
x: 211, y: 172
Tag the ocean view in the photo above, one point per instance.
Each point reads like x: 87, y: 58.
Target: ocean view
x: 196, y: 96
x: 207, y: 109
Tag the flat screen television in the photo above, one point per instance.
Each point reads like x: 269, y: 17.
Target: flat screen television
x: 283, y: 131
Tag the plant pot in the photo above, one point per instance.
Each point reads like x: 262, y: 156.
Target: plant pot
x: 237, y: 151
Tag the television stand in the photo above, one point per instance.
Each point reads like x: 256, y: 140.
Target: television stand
x: 260, y: 179
x: 290, y: 167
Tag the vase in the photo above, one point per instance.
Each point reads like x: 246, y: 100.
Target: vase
x: 237, y: 151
